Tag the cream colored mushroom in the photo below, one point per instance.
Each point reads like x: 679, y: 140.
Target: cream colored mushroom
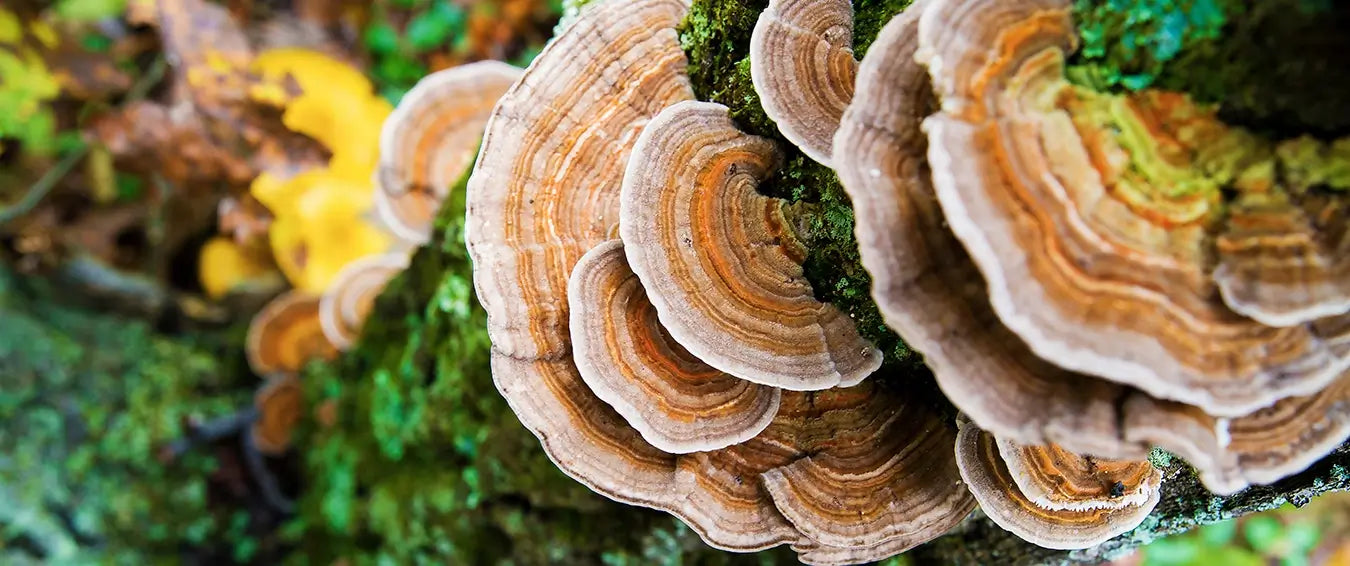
x: 347, y: 302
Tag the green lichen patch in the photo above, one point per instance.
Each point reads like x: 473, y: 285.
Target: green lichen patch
x: 1273, y: 65
x: 716, y: 37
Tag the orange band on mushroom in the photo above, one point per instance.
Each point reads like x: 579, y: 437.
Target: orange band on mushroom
x: 286, y: 335
x: 986, y: 472
x: 1055, y: 478
x: 429, y: 141
x: 280, y: 404
x: 1096, y: 273
x: 802, y: 66
x: 720, y: 261
x: 676, y: 401
x: 351, y: 297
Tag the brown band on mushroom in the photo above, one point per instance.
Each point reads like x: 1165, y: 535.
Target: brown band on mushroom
x: 280, y: 404
x: 987, y: 475
x: 1280, y: 267
x: 722, y: 264
x: 1055, y: 478
x: 349, y: 299
x: 872, y: 466
x: 676, y: 401
x: 429, y: 141
x: 1260, y: 448
x: 802, y: 67
x: 287, y: 334
x: 925, y: 284
x: 1095, y: 275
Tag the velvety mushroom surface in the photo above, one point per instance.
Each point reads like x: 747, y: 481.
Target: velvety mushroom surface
x: 676, y: 401
x: 1090, y: 522
x: 349, y: 299
x: 429, y: 140
x: 802, y: 67
x: 286, y: 334
x: 1096, y: 245
x: 722, y: 263
x: 1055, y: 478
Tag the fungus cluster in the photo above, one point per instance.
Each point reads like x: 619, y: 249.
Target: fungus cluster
x: 1088, y: 276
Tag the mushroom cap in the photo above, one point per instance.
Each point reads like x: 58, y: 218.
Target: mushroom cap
x: 926, y: 286
x: 347, y: 302
x: 993, y: 485
x: 430, y: 139
x: 280, y: 404
x: 802, y: 67
x: 721, y: 262
x: 1259, y: 448
x: 1097, y: 271
x: 1055, y: 478
x: 286, y: 334
x: 676, y: 401
x: 1280, y: 263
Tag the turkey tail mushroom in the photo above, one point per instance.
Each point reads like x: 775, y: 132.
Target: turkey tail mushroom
x: 286, y: 335
x: 347, y: 302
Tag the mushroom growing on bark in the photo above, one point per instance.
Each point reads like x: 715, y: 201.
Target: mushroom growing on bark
x: 802, y: 67
x: 1094, y: 244
x: 286, y: 334
x: 722, y: 263
x: 843, y: 475
x: 430, y: 139
x: 347, y: 302
x: 1074, y: 501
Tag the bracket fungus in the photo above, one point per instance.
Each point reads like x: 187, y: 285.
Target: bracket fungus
x: 286, y: 334
x: 676, y: 401
x: 347, y: 302
x: 722, y: 263
x: 1077, y: 502
x: 280, y: 405
x: 430, y: 139
x: 1094, y: 251
x: 802, y: 67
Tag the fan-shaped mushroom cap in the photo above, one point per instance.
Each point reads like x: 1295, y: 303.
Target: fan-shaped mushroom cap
x: 802, y: 66
x: 429, y: 141
x: 1280, y: 267
x: 1098, y: 271
x: 1055, y: 478
x: 995, y: 488
x: 286, y: 334
x: 347, y: 302
x: 280, y: 403
x: 676, y: 401
x: 1260, y: 448
x: 721, y: 262
x: 925, y: 284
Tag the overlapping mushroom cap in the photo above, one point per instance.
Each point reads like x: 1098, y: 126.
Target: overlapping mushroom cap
x: 1076, y: 503
x: 722, y: 263
x: 802, y: 66
x: 280, y: 403
x: 676, y: 401
x: 286, y: 334
x: 347, y: 302
x: 1094, y: 247
x: 430, y: 140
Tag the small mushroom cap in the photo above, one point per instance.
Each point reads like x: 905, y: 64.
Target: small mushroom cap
x: 676, y: 401
x: 286, y: 334
x: 925, y: 284
x: 280, y: 404
x: 430, y: 139
x: 1279, y: 266
x: 1097, y: 273
x: 1055, y: 478
x: 721, y: 263
x: 985, y: 472
x: 1260, y: 448
x: 346, y: 303
x: 802, y: 67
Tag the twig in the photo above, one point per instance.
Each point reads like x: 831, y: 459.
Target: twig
x: 271, y: 491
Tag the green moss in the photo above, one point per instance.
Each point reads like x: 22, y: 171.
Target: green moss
x: 1274, y: 65
x: 716, y: 37
x: 869, y: 16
